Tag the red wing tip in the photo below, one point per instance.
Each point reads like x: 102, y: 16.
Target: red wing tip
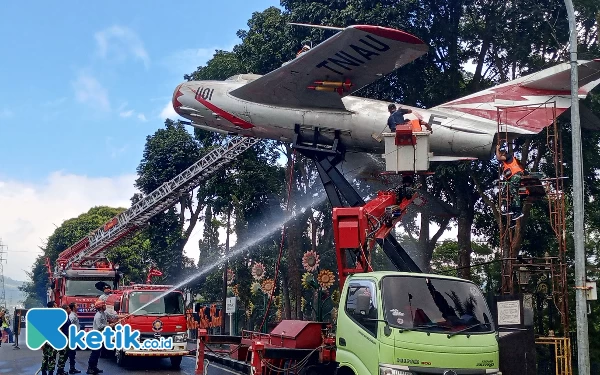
x: 389, y: 33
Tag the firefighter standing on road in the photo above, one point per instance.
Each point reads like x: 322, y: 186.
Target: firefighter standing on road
x: 75, y: 321
x: 49, y: 359
x: 512, y: 172
x: 100, y: 322
x: 107, y: 292
x: 63, y: 354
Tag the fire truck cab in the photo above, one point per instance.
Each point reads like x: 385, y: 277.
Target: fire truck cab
x: 157, y: 312
x: 79, y: 286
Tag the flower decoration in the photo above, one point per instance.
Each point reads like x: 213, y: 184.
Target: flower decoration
x: 258, y: 271
x: 306, y: 280
x: 268, y: 286
x: 334, y: 313
x: 250, y: 309
x: 325, y: 279
x: 335, y: 296
x: 303, y: 303
x: 236, y: 290
x: 310, y: 261
x: 255, y: 287
x: 278, y: 315
x: 230, y: 276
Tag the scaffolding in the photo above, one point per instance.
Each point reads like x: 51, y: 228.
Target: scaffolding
x: 549, y: 272
x: 562, y: 353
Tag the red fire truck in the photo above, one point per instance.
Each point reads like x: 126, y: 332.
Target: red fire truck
x: 157, y: 311
x: 78, y: 284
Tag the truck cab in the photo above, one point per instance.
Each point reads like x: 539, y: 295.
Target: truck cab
x: 400, y: 323
x: 79, y: 286
x: 156, y: 311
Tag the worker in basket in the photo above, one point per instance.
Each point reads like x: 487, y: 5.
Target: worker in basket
x: 512, y: 171
x: 397, y: 118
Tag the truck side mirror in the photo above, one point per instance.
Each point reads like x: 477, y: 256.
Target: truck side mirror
x: 363, y: 304
x: 117, y: 306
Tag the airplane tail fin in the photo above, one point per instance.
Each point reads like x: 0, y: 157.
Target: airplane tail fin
x: 527, y: 104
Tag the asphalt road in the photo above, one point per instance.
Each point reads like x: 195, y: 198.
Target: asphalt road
x: 28, y: 362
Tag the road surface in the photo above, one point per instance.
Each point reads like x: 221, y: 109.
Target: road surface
x: 24, y: 361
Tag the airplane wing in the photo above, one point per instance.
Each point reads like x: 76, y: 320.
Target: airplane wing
x: 358, y: 55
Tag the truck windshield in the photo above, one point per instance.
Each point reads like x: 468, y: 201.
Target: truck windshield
x: 143, y: 303
x: 435, y: 305
x: 84, y: 287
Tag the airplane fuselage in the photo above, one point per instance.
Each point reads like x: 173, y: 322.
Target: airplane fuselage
x: 209, y: 105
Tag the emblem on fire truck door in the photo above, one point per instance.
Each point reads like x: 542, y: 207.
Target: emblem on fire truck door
x: 157, y: 325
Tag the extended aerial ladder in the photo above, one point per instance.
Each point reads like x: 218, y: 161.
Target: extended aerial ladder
x: 91, y: 249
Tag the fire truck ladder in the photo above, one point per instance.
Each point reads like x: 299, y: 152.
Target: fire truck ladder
x: 93, y: 247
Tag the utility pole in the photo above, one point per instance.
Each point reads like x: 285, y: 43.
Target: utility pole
x: 2, y: 291
x: 583, y: 359
x: 226, y: 266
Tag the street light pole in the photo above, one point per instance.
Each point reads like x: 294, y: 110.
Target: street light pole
x: 583, y: 359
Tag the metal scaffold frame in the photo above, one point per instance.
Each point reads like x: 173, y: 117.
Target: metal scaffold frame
x: 92, y: 248
x: 516, y: 268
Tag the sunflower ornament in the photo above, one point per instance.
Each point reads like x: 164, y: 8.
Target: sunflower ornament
x: 255, y: 287
x: 258, y: 271
x: 310, y: 261
x: 307, y: 278
x: 335, y: 296
x: 268, y: 286
x: 325, y: 279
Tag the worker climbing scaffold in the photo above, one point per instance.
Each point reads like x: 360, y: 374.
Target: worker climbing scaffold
x: 512, y: 171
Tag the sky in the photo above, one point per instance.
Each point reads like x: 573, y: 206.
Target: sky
x: 81, y: 87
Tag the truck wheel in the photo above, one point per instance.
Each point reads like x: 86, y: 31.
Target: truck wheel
x: 344, y: 371
x: 176, y: 362
x: 121, y: 358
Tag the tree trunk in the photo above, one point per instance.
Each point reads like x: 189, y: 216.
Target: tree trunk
x: 287, y: 312
x: 465, y: 222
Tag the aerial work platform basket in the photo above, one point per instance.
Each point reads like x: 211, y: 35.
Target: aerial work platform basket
x: 407, y: 150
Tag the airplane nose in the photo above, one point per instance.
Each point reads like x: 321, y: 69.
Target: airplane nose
x: 176, y: 94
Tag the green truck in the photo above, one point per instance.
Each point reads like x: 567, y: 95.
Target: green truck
x: 395, y: 323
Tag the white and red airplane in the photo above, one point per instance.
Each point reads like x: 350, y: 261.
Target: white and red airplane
x: 313, y: 91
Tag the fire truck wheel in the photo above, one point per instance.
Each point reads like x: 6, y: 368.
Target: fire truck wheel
x: 121, y: 358
x: 176, y: 362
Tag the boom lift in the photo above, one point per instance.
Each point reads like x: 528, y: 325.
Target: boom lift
x: 389, y: 323
x: 83, y: 264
